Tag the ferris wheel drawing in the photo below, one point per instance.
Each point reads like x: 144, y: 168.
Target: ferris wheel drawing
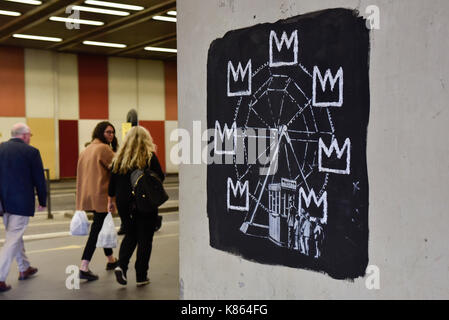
x: 288, y: 106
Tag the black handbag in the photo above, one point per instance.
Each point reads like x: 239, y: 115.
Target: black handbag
x: 148, y: 191
x: 158, y: 223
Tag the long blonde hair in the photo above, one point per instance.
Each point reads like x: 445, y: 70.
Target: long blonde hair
x: 135, y: 152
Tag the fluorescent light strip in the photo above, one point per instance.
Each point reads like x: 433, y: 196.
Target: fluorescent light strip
x: 33, y: 2
x: 114, y: 5
x: 77, y: 21
x: 10, y: 13
x: 98, y: 10
x: 171, y: 13
x: 161, y: 49
x: 31, y: 37
x: 162, y: 18
x: 104, y: 44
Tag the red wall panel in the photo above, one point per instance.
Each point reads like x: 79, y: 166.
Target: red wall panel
x: 93, y: 87
x: 12, y: 82
x: 171, y: 91
x: 157, y: 131
x: 68, y: 148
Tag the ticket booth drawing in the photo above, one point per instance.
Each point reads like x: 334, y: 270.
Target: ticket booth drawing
x: 282, y: 203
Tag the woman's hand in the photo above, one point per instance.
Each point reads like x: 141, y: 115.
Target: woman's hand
x: 111, y: 205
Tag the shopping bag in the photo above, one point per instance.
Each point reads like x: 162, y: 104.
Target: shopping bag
x: 79, y: 226
x: 107, y: 238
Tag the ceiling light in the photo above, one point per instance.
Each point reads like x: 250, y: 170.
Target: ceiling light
x: 104, y: 44
x: 114, y: 5
x: 10, y: 13
x: 162, y: 18
x: 98, y: 10
x: 31, y: 37
x: 34, y: 2
x: 77, y: 21
x: 161, y: 49
x: 172, y: 13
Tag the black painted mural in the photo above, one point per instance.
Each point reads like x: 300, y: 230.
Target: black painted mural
x: 288, y: 108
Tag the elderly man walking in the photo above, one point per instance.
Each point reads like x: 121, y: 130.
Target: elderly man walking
x: 21, y: 172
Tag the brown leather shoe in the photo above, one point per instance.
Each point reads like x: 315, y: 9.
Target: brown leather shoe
x: 4, y: 287
x: 112, y: 265
x: 27, y: 273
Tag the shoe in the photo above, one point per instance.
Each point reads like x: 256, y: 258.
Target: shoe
x: 88, y: 275
x: 4, y: 287
x: 112, y: 265
x: 27, y: 273
x: 120, y: 275
x: 143, y: 282
x: 121, y: 231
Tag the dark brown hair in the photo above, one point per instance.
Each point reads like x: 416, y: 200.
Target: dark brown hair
x: 98, y: 133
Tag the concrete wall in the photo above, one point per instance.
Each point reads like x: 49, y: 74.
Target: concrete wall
x: 408, y: 155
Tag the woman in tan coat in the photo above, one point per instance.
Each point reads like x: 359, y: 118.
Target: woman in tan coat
x: 92, y: 183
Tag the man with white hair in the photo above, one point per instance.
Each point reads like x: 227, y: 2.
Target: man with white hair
x: 21, y: 172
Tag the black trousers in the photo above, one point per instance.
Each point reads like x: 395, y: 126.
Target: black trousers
x: 95, y: 229
x: 139, y: 232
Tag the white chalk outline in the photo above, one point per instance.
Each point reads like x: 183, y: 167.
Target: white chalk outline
x: 256, y: 195
x: 235, y: 76
x: 340, y: 152
x: 228, y: 132
x: 333, y: 81
x: 237, y: 187
x: 318, y: 202
x: 279, y: 44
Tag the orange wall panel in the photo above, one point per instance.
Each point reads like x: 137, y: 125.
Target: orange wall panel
x: 171, y: 91
x: 157, y: 131
x: 93, y: 87
x: 44, y: 136
x: 12, y: 82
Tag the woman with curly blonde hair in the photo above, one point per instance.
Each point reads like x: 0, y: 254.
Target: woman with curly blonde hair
x: 136, y: 152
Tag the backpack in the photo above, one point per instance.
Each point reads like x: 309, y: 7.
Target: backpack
x: 147, y: 190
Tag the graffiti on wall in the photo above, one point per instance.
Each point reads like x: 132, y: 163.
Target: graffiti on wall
x: 289, y: 105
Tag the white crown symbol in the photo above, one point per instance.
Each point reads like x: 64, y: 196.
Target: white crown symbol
x: 237, y: 79
x: 239, y: 190
x: 229, y: 133
x: 318, y: 77
x: 305, y: 201
x: 346, y: 149
x: 276, y: 46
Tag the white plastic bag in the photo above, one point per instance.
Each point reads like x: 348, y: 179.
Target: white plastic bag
x: 107, y: 238
x: 79, y: 226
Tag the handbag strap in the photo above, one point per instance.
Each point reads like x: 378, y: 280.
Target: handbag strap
x: 135, y: 176
x: 155, y: 175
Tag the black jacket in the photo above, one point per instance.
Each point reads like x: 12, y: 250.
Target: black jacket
x: 120, y: 186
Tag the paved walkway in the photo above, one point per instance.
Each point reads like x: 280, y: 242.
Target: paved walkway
x: 52, y: 250
x: 52, y: 256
